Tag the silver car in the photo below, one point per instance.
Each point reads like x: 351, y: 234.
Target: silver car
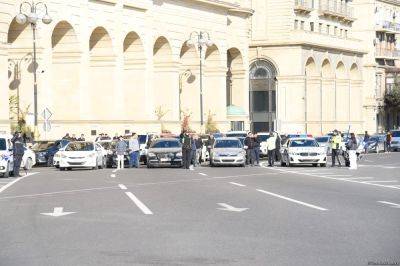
x: 228, y: 151
x: 165, y: 152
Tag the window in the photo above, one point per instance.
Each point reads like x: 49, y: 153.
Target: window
x: 335, y: 31
x: 341, y: 32
x: 345, y: 33
x: 328, y: 29
x: 378, y: 85
x: 93, y: 132
x: 320, y: 27
x: 311, y: 26
x: 296, y: 24
x: 237, y: 125
x: 302, y: 25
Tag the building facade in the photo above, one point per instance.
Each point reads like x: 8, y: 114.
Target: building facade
x: 380, y: 36
x: 115, y: 66
x: 307, y: 66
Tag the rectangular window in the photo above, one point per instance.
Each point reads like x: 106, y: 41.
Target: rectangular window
x: 237, y: 125
x: 328, y: 29
x: 311, y: 26
x: 335, y: 31
x: 302, y: 25
x: 320, y: 27
x: 261, y: 127
x: 260, y: 101
x: 341, y: 33
x: 93, y: 132
x: 296, y: 24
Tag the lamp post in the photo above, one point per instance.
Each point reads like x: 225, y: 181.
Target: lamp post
x: 33, y: 17
x: 185, y: 74
x: 202, y: 40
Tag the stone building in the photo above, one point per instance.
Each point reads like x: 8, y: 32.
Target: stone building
x: 109, y: 65
x: 304, y: 55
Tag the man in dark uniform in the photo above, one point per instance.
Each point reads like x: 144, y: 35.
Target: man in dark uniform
x: 18, y: 152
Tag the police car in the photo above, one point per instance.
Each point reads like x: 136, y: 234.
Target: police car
x: 6, y: 158
x: 300, y: 151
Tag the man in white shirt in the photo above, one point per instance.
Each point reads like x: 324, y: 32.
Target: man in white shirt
x: 134, y: 151
x: 271, y: 146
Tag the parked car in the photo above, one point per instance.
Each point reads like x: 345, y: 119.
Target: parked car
x: 236, y: 134
x: 395, y: 144
x: 144, y: 143
x: 6, y: 159
x: 262, y: 138
x: 376, y: 144
x: 300, y: 151
x: 165, y: 152
x: 228, y: 151
x: 82, y: 154
x: 324, y: 141
x: 111, y: 157
x: 45, y: 150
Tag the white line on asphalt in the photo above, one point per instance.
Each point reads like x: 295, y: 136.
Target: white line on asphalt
x: 114, y: 171
x: 383, y: 181
x: 237, y: 184
x: 358, y: 178
x: 394, y: 205
x: 338, y: 175
x: 122, y: 186
x: 112, y: 175
x: 293, y: 200
x: 203, y: 174
x: 138, y: 203
x: 15, y: 181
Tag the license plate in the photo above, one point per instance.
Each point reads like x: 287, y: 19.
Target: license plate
x: 164, y: 159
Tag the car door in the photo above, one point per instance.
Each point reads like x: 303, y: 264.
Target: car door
x: 285, y: 151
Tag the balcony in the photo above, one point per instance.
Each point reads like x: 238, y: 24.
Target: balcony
x: 303, y: 6
x: 388, y: 26
x: 384, y: 53
x: 336, y: 9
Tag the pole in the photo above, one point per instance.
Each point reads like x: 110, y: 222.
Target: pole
x: 35, y: 104
x: 305, y: 101
x: 201, y: 88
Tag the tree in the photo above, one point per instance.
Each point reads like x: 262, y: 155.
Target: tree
x: 211, y: 126
x: 185, y: 126
x: 160, y: 113
x: 392, y: 98
x: 18, y: 121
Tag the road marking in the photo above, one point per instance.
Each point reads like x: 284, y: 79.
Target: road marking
x: 358, y: 178
x: 15, y: 181
x: 122, y: 186
x: 138, y: 203
x: 229, y: 208
x: 58, y: 211
x: 339, y: 175
x: 237, y: 184
x: 292, y: 200
x: 112, y: 175
x: 383, y: 181
x: 393, y: 205
x: 114, y: 171
x: 203, y: 174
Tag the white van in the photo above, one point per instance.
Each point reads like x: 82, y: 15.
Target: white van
x: 6, y: 158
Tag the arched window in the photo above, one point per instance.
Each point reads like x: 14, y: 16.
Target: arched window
x: 262, y: 95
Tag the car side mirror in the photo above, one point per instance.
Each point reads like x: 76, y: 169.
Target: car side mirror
x: 10, y: 149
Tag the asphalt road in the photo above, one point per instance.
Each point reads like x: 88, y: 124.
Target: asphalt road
x: 209, y: 216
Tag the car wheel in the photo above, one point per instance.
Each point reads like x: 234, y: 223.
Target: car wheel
x: 243, y: 165
x: 314, y: 164
x: 62, y: 168
x: 149, y: 165
x: 323, y: 165
x: 69, y: 168
x: 283, y: 163
x: 28, y: 164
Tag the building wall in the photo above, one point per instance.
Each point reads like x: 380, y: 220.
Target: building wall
x: 109, y: 65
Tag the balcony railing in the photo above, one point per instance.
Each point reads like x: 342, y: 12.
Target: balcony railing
x: 336, y: 8
x: 303, y: 5
x: 387, y: 53
x: 389, y: 25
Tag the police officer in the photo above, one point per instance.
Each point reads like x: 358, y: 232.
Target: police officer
x: 18, y: 152
x: 336, y: 141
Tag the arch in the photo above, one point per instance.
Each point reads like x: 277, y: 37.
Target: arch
x: 235, y: 59
x: 133, y: 49
x: 236, y: 95
x: 65, y: 68
x: 341, y: 71
x: 188, y: 56
x: 311, y: 67
x: 326, y: 69
x: 162, y: 51
x: 18, y: 32
x: 100, y: 43
x: 212, y: 57
x: 355, y: 73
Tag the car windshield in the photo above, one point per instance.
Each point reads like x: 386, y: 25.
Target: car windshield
x: 235, y: 135
x: 142, y: 139
x: 322, y: 139
x: 396, y: 134
x: 228, y: 143
x: 262, y: 138
x: 166, y: 144
x: 3, y: 145
x: 107, y: 145
x: 79, y: 146
x: 42, y: 145
x: 303, y: 143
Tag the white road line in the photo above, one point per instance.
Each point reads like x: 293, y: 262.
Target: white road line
x: 237, y: 184
x: 114, y: 171
x: 122, y: 186
x: 383, y: 181
x: 15, y: 181
x: 292, y: 200
x: 394, y: 205
x: 338, y: 175
x: 203, y: 174
x: 358, y: 178
x: 112, y: 175
x: 138, y: 203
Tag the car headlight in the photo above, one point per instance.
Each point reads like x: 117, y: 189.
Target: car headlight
x: 63, y: 156
x: 56, y: 155
x: 179, y: 154
x: 150, y: 154
x: 92, y: 155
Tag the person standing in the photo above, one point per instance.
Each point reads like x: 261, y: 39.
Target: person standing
x: 257, y: 147
x: 186, y: 149
x: 18, y: 152
x: 249, y: 143
x: 366, y: 139
x: 199, y: 150
x: 335, y: 146
x: 67, y: 137
x: 277, y: 147
x: 121, y: 148
x: 81, y: 138
x: 352, y: 146
x: 271, y: 147
x: 134, y: 151
x: 388, y: 141
x: 194, y: 152
x: 210, y: 145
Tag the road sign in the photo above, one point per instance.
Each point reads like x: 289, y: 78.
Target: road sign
x: 46, y: 114
x: 47, y: 126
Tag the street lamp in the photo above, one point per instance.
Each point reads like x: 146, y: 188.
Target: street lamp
x: 202, y: 40
x: 32, y: 17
